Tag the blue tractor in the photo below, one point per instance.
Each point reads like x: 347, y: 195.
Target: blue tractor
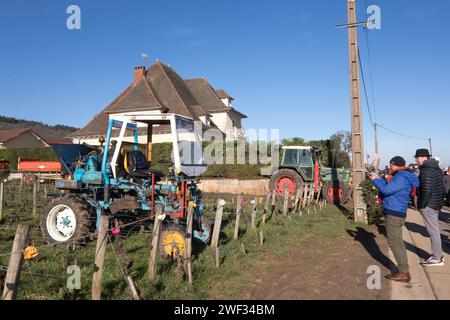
x: 116, y: 179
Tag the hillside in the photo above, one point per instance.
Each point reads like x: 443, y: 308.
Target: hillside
x: 42, y: 129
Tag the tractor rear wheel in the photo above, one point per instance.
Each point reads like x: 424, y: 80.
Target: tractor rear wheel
x: 66, y: 220
x: 336, y: 192
x: 285, y: 179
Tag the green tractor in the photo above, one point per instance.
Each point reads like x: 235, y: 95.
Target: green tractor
x: 300, y: 165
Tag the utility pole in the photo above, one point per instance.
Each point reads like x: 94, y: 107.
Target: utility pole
x: 431, y: 148
x: 377, y: 155
x: 360, y: 212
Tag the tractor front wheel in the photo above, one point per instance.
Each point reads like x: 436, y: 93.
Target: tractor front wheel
x: 173, y: 241
x: 66, y: 220
x: 336, y: 192
x: 285, y: 179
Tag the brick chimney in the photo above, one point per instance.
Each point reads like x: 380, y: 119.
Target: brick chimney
x: 139, y: 74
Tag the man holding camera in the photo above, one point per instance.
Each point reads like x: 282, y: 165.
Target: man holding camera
x: 396, y: 194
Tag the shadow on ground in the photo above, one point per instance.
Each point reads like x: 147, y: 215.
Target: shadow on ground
x: 367, y: 239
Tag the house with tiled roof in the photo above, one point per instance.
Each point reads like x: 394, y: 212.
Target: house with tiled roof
x: 21, y: 139
x: 158, y: 90
x: 26, y: 138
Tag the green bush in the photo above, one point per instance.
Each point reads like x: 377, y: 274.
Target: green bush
x: 370, y: 196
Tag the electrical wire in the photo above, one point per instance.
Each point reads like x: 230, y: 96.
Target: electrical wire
x: 401, y: 134
x: 365, y: 90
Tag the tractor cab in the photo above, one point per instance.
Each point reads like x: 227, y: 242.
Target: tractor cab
x: 187, y: 154
x: 301, y: 159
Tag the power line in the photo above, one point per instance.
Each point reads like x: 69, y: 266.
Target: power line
x: 401, y: 134
x: 365, y: 90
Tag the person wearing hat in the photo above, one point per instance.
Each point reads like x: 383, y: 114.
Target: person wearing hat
x: 396, y: 194
x: 447, y: 187
x: 430, y: 200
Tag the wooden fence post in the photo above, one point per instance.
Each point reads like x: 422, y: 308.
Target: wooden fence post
x: 238, y: 217
x: 34, y: 199
x: 298, y: 197
x: 254, y: 213
x: 217, y: 224
x: 1, y: 200
x: 266, y: 207
x: 310, y: 194
x: 305, y: 195
x: 157, y: 230
x: 188, y: 249
x: 285, y: 202
x: 273, y: 204
x: 15, y: 263
x: 100, y: 252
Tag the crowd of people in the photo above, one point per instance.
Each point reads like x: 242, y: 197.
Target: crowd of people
x: 429, y: 186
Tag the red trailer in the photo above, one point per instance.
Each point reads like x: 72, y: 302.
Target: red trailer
x: 43, y: 170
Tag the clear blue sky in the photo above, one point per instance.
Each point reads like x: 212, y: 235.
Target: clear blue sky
x: 283, y: 61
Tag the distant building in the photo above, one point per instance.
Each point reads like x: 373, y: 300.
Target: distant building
x: 20, y: 139
x: 159, y: 90
x: 26, y: 138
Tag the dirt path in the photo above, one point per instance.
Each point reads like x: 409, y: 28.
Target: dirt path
x: 334, y: 268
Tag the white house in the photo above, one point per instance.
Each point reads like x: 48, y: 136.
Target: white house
x: 159, y: 89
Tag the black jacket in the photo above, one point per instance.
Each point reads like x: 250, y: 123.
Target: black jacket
x: 431, y: 191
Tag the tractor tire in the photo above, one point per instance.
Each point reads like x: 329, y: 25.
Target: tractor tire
x: 207, y: 229
x: 285, y: 179
x: 173, y: 239
x: 66, y: 220
x: 336, y: 192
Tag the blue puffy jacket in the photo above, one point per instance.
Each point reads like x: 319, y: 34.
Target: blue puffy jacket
x: 396, y: 194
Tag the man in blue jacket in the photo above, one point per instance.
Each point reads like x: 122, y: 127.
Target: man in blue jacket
x: 396, y: 195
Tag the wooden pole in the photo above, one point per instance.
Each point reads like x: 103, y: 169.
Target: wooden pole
x: 188, y: 250
x: 217, y: 224
x: 261, y: 238
x: 266, y: 207
x: 34, y: 199
x: 305, y: 195
x: 273, y: 204
x: 157, y: 230
x: 100, y: 252
x: 298, y: 196
x: 1, y: 200
x: 360, y: 213
x: 286, y: 202
x: 310, y: 194
x: 15, y: 263
x: 254, y: 213
x: 238, y: 217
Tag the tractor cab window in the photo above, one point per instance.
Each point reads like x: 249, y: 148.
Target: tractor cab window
x: 305, y: 158
x: 291, y: 157
x: 189, y: 142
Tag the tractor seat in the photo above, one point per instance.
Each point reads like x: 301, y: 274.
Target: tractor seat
x: 138, y: 167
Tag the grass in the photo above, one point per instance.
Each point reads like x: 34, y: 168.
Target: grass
x: 43, y: 276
